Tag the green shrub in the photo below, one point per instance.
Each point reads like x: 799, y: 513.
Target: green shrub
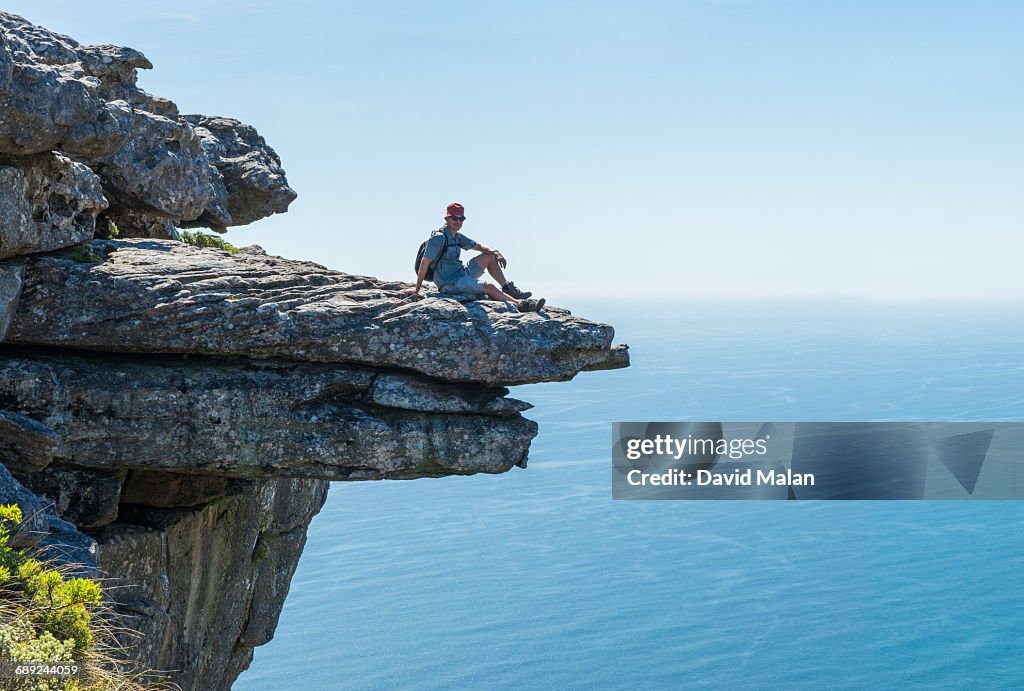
x: 20, y: 643
x: 83, y: 253
x: 62, y: 603
x: 198, y: 239
x: 46, y: 617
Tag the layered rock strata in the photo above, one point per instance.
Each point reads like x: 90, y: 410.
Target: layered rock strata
x: 253, y: 419
x: 164, y: 297
x: 170, y: 417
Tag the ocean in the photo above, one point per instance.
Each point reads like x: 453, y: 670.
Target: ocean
x: 537, y: 579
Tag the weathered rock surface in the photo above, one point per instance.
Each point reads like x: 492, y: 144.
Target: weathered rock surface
x: 251, y: 174
x: 44, y: 46
x: 59, y: 95
x: 43, y: 530
x: 263, y: 419
x: 10, y: 290
x: 161, y: 169
x: 86, y: 498
x: 414, y: 393
x: 49, y: 105
x: 34, y: 523
x: 26, y: 446
x: 46, y: 202
x: 113, y: 69
x: 205, y: 585
x: 202, y: 585
x: 212, y: 302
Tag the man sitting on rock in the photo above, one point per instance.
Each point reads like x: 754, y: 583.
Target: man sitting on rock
x: 452, y: 276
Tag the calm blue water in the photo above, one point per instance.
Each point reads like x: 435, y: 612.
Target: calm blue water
x: 537, y: 579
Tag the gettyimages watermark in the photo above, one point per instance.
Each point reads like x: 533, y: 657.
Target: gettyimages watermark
x: 817, y: 460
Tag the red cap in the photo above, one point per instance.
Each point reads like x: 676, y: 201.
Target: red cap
x: 456, y: 209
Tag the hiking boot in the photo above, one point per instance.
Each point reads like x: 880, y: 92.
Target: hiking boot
x: 530, y: 305
x: 514, y: 293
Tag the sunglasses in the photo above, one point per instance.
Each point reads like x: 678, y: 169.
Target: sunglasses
x: 457, y: 218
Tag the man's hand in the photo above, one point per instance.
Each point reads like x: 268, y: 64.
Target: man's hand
x: 420, y: 275
x: 412, y: 291
x: 500, y: 258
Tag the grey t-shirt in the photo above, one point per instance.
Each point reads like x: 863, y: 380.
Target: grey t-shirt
x: 447, y: 268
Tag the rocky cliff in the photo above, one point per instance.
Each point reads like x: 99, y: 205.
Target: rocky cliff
x: 171, y: 415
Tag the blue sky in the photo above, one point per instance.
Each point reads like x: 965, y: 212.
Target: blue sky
x: 701, y: 149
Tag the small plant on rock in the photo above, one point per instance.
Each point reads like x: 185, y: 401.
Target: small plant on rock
x: 197, y: 239
x: 106, y: 228
x: 83, y: 253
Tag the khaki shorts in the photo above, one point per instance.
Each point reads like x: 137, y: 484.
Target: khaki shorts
x: 467, y: 283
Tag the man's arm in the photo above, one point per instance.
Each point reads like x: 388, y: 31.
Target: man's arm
x: 502, y: 262
x: 420, y: 275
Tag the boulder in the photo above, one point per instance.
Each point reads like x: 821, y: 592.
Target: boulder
x: 35, y: 521
x: 117, y: 69
x: 44, y: 532
x: 114, y: 69
x: 249, y: 170
x: 160, y: 170
x: 46, y: 202
x: 65, y: 545
x: 37, y: 43
x: 84, y: 100
x: 49, y: 104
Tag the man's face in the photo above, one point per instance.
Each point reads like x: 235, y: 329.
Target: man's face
x: 454, y: 222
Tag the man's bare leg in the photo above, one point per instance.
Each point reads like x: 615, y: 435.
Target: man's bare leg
x: 488, y: 262
x: 494, y: 293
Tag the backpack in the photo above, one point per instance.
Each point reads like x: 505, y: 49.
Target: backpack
x: 419, y: 258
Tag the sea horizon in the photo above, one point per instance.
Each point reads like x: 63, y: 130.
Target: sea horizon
x: 537, y: 578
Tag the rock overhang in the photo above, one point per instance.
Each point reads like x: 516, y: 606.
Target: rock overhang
x: 186, y: 407
x: 153, y: 296
x: 249, y: 420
